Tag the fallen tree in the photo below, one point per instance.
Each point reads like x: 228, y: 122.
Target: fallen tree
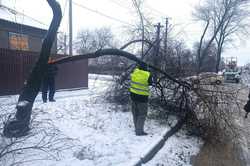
x: 20, y: 125
x: 178, y: 95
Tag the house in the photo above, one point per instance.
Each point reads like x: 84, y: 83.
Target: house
x: 20, y: 32
x: 20, y: 44
x: 16, y: 36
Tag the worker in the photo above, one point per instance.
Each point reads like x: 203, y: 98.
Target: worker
x: 247, y: 106
x: 48, y: 83
x: 139, y: 92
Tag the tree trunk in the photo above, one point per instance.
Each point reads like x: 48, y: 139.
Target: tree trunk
x: 31, y: 89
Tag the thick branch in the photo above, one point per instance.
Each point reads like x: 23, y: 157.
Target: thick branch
x: 117, y: 52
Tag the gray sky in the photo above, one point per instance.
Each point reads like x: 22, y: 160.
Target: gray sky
x: 120, y: 13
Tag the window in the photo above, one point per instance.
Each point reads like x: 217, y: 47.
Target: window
x: 18, y: 41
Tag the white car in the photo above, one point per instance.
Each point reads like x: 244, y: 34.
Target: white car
x: 207, y: 78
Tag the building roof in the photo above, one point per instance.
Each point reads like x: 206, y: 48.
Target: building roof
x: 11, y: 15
x: 20, y: 28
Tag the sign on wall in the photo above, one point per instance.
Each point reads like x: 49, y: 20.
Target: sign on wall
x: 18, y: 41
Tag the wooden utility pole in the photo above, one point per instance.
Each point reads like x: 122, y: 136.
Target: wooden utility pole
x: 70, y: 28
x: 157, y: 48
x: 166, y: 38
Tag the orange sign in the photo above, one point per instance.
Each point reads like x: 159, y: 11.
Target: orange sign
x: 18, y: 41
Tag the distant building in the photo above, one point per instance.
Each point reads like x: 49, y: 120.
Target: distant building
x: 16, y: 36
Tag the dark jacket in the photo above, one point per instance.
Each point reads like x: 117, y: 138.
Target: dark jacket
x: 51, y: 71
x: 141, y: 98
x: 247, y: 105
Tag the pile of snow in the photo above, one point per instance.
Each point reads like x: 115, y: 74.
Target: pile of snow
x: 245, y: 76
x: 104, y: 135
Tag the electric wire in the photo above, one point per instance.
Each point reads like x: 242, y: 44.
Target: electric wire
x: 102, y: 14
x: 64, y: 10
x: 146, y: 6
x: 157, y: 11
x: 119, y: 4
x: 15, y: 12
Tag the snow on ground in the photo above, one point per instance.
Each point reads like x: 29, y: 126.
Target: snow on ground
x: 104, y: 133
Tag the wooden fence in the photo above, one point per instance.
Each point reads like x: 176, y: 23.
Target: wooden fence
x: 15, y: 67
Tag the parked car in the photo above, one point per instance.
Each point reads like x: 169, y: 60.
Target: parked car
x: 232, y: 76
x: 207, y: 78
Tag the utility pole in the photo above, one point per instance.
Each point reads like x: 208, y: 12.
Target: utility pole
x: 70, y: 28
x: 65, y: 44
x: 157, y: 48
x: 166, y: 38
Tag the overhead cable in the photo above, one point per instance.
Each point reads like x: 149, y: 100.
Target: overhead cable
x: 102, y: 14
x: 17, y: 12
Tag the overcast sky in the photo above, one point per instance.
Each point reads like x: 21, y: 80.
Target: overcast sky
x: 119, y: 13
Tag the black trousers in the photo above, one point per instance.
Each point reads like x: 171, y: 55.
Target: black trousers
x: 48, y: 85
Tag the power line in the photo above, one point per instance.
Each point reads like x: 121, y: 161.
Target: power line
x: 157, y: 11
x: 154, y: 12
x: 102, y: 14
x: 119, y: 4
x: 15, y: 12
x: 64, y: 8
x: 146, y: 6
x: 63, y: 15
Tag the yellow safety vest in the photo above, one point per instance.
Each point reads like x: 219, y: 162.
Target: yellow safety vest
x: 139, y: 82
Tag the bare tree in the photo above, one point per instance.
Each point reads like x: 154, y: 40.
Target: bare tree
x: 236, y: 25
x: 208, y: 59
x: 224, y: 19
x: 62, y: 44
x: 143, y: 29
x: 92, y: 40
x: 138, y: 4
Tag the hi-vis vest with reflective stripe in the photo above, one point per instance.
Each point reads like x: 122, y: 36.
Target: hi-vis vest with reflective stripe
x: 139, y: 82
